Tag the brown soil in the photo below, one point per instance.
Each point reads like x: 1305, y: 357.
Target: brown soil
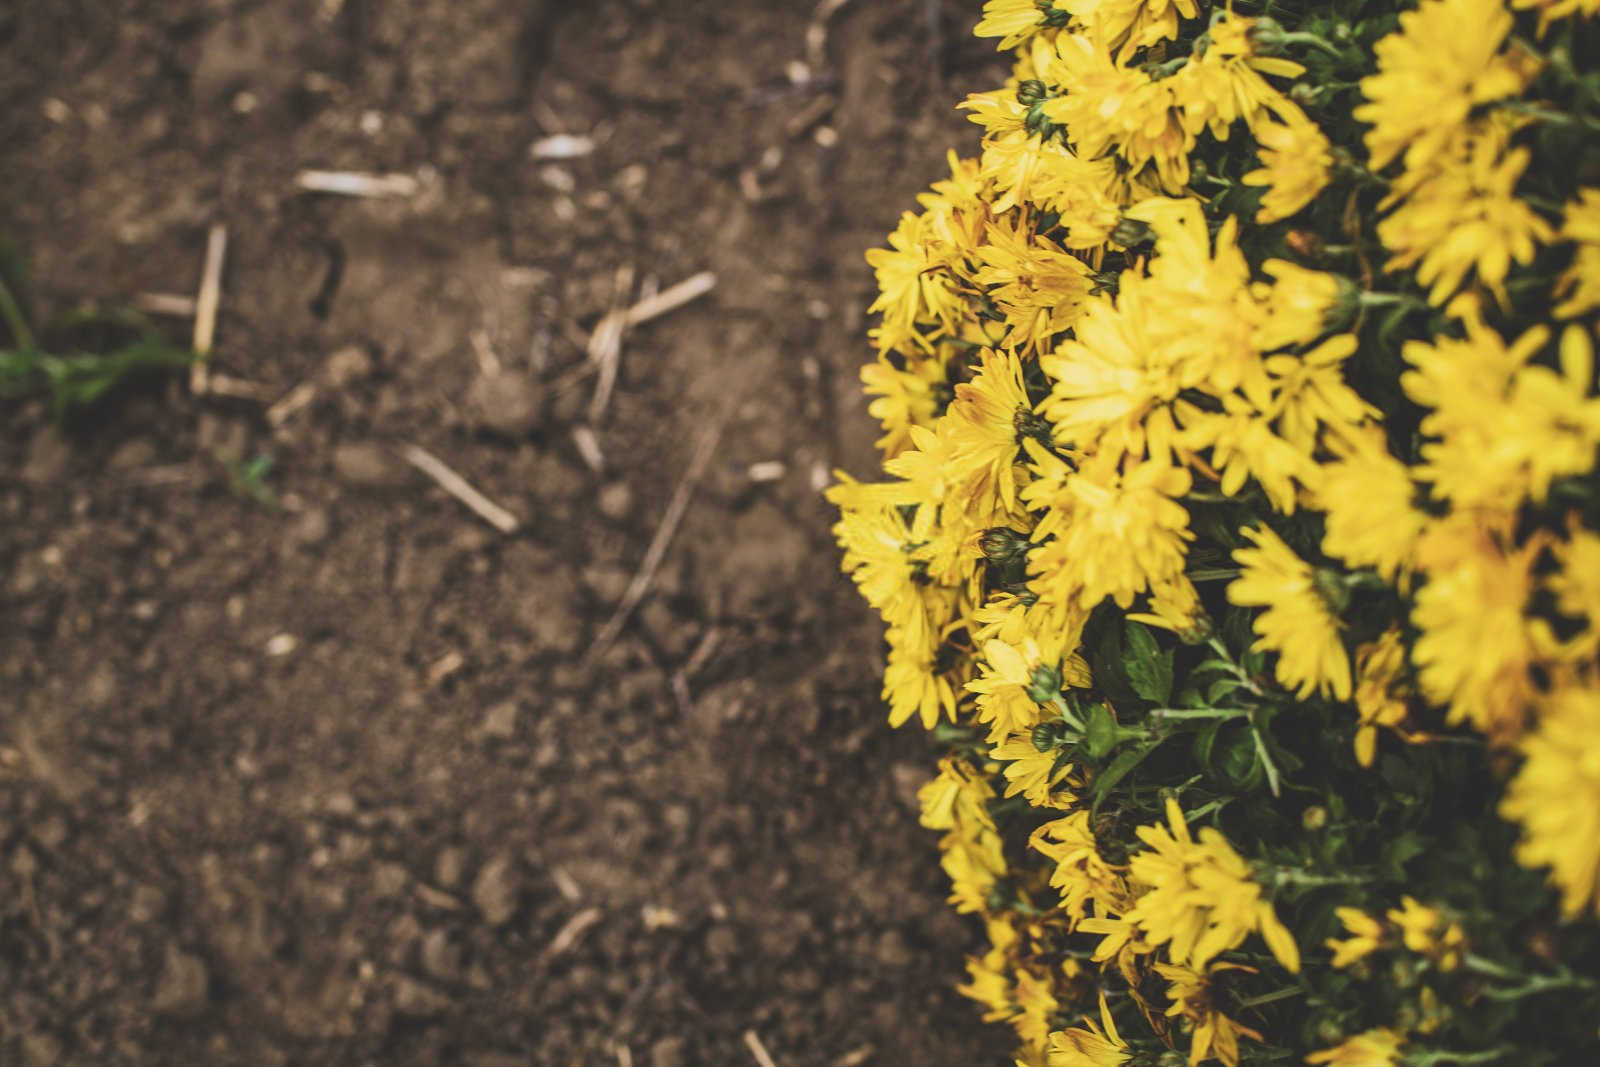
x: 324, y: 779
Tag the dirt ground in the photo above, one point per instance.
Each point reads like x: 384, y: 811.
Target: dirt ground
x: 313, y: 770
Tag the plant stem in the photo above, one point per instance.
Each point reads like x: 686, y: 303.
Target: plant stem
x: 1273, y: 997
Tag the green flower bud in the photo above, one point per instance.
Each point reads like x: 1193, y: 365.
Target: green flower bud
x: 1129, y: 232
x: 1314, y: 817
x: 1044, y: 684
x: 1002, y: 546
x: 1031, y: 92
x: 1267, y: 35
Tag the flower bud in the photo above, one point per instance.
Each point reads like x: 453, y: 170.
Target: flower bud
x: 1031, y: 92
x: 1129, y: 232
x: 1266, y: 35
x: 1314, y: 817
x: 1044, y: 684
x: 1002, y: 546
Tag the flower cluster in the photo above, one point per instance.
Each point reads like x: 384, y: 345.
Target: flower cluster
x: 1241, y: 531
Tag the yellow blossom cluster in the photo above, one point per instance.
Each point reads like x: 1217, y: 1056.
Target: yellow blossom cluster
x: 1177, y: 324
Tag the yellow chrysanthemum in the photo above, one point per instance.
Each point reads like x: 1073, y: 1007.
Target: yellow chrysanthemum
x: 912, y: 396
x: 1429, y: 932
x: 1037, y: 284
x: 1459, y: 214
x: 1367, y: 937
x: 1432, y: 72
x: 1298, y: 624
x: 1201, y: 900
x: 1380, y: 698
x: 1089, y: 1045
x: 1194, y: 1000
x: 1368, y: 497
x: 1301, y: 304
x: 1222, y: 83
x: 1370, y: 1048
x: 1080, y: 872
x: 1132, y: 24
x: 1115, y: 533
x: 1477, y: 642
x: 1013, y: 21
x: 1556, y: 797
x: 1296, y: 164
x: 1579, y: 286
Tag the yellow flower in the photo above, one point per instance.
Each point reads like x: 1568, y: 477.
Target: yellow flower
x: 1576, y: 586
x: 1579, y: 287
x: 1201, y: 900
x: 1080, y: 872
x: 1556, y: 797
x: 1014, y: 21
x: 1010, y: 679
x: 1370, y: 1048
x: 1301, y: 304
x: 1444, y: 60
x: 1459, y: 214
x: 1038, y: 285
x: 1380, y: 693
x: 1369, y: 937
x: 1551, y: 10
x: 1296, y: 163
x: 957, y: 798
x: 1117, y: 533
x: 1034, y: 774
x: 1429, y: 932
x: 1107, y: 107
x: 917, y: 294
x: 1502, y: 428
x: 1131, y: 23
x: 1222, y: 82
x: 982, y: 429
x: 1476, y: 643
x: 1298, y: 624
x: 913, y: 686
x: 1089, y: 1045
x: 1244, y: 447
x: 1368, y: 497
x: 905, y: 398
x: 1309, y: 394
x: 1193, y: 999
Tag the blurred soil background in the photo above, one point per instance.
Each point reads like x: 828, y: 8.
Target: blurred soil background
x: 304, y: 763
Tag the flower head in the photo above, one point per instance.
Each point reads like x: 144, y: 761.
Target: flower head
x: 1298, y: 623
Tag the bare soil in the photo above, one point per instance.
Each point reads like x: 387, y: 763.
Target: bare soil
x: 314, y: 770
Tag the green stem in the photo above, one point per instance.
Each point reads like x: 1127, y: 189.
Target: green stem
x: 1283, y: 876
x: 1273, y: 997
x: 13, y: 316
x: 1529, y: 985
x: 1443, y: 1055
x: 1274, y: 781
x: 1066, y: 713
x: 1301, y: 37
x: 1215, y: 574
x: 1552, y: 118
x: 1197, y: 713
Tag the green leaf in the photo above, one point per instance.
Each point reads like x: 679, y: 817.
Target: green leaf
x: 1117, y: 770
x: 1400, y: 850
x: 1101, y: 735
x: 1149, y: 669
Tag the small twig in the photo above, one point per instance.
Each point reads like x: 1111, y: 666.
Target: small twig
x: 757, y: 1049
x: 173, y: 305
x: 702, y: 652
x: 705, y: 448
x: 855, y: 1057
x: 356, y: 183
x: 589, y: 448
x: 672, y: 298
x: 605, y: 344
x: 801, y: 122
x: 237, y: 388
x: 291, y: 404
x: 205, y: 306
x: 566, y: 885
x: 573, y: 929
x: 458, y: 487
x: 624, y: 1055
